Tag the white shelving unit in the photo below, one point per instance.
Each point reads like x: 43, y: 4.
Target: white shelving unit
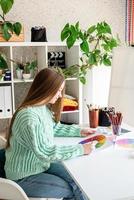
x: 17, y: 50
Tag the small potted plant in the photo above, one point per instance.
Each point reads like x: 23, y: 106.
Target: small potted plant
x: 32, y: 67
x: 29, y: 69
x: 8, y: 29
x: 25, y: 70
x: 19, y: 70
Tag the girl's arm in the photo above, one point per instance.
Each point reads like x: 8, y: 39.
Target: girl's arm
x: 34, y: 138
x: 67, y: 130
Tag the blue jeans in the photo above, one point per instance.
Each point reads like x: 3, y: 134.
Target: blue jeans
x: 56, y: 182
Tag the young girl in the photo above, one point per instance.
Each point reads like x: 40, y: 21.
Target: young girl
x: 32, y: 158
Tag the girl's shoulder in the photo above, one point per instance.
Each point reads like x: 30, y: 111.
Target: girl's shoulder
x: 33, y: 112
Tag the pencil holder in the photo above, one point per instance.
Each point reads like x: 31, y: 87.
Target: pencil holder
x: 116, y: 129
x: 94, y: 118
x: 116, y: 120
x: 103, y: 117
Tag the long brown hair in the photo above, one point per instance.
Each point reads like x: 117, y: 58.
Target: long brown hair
x: 44, y: 87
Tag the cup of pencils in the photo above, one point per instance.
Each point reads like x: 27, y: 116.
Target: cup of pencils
x: 116, y: 120
x: 93, y: 115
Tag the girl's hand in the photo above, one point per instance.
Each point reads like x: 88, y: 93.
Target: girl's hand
x: 87, y: 131
x: 87, y: 148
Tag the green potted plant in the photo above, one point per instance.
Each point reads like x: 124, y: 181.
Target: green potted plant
x: 25, y: 70
x: 29, y: 69
x: 8, y: 28
x: 96, y: 45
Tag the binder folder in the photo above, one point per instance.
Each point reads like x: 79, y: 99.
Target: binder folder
x: 2, y: 110
x: 5, y: 102
x: 8, y: 102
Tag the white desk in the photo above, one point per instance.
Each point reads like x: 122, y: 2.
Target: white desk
x: 107, y: 174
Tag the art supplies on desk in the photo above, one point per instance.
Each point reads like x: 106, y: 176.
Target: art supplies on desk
x: 103, y: 118
x: 99, y: 142
x: 93, y: 115
x: 116, y: 120
x: 99, y: 138
x: 98, y: 115
x: 108, y: 130
x: 125, y: 142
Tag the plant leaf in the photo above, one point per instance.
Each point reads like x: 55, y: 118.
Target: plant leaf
x: 113, y: 43
x: 81, y: 35
x: 10, y: 26
x: 83, y: 70
x: 6, y: 5
x: 77, y: 26
x: 72, y: 37
x: 84, y: 46
x: 33, y: 64
x: 91, y: 29
x: 106, y: 61
x: 17, y: 27
x: 3, y: 63
x: 82, y: 79
x: 92, y: 59
x: 5, y: 31
x: 106, y: 47
x: 103, y: 28
x: 107, y: 28
x: 65, y: 32
x: 70, y: 41
x: 27, y: 68
x: 74, y: 32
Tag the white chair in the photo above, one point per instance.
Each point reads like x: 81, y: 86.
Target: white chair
x: 9, y: 190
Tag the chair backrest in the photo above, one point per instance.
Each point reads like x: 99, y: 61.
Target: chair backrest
x: 11, y: 190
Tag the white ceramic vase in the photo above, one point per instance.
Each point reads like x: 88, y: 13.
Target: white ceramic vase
x: 19, y: 73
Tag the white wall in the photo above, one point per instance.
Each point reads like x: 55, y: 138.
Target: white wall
x: 54, y: 14
x: 96, y: 89
x: 122, y: 83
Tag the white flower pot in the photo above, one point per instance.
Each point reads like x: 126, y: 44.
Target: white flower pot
x: 19, y: 74
x: 26, y: 76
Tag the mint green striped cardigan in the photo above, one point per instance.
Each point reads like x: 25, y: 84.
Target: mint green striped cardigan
x: 32, y: 146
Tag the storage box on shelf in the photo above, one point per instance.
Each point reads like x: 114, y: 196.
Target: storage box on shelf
x: 27, y: 51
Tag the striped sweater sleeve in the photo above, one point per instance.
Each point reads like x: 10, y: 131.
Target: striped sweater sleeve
x: 34, y: 138
x: 66, y: 130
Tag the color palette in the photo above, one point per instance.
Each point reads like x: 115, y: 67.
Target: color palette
x: 127, y: 143
x: 101, y: 139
